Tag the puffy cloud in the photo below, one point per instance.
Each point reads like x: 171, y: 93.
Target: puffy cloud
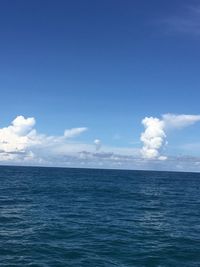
x: 22, y: 126
x: 154, y: 136
x: 19, y: 140
x: 70, y: 133
x: 21, y: 144
x: 18, y: 136
x: 97, y: 143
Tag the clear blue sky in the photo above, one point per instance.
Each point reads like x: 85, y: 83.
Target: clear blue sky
x: 104, y: 65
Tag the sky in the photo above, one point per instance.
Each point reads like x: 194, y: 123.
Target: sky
x: 100, y: 84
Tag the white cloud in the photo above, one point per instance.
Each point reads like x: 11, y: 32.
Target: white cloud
x: 22, y: 126
x: 20, y: 140
x: 179, y: 121
x: 20, y: 143
x: 18, y: 136
x: 154, y: 136
x: 70, y: 133
x: 97, y: 143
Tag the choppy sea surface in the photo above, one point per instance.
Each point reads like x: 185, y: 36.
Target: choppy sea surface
x: 90, y: 218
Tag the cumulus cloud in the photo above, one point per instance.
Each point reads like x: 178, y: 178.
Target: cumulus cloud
x: 97, y: 143
x: 21, y: 144
x: 155, y: 134
x: 153, y: 137
x: 20, y: 140
x: 18, y: 136
x: 70, y: 133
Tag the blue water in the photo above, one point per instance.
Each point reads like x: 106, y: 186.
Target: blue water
x: 80, y: 217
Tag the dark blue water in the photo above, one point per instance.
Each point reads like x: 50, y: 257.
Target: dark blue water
x: 79, y: 217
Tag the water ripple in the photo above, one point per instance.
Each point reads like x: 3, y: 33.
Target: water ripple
x: 92, y: 218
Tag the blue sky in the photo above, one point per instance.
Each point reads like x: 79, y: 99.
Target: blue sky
x: 103, y: 65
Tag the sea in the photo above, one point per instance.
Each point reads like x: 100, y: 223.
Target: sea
x: 98, y: 218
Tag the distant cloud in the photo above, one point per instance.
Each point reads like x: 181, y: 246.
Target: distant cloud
x: 187, y: 22
x: 97, y: 143
x: 21, y: 144
x: 20, y: 141
x: 179, y: 121
x: 70, y: 133
x: 154, y: 136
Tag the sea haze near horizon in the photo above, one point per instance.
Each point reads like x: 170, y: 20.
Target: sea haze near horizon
x: 87, y: 217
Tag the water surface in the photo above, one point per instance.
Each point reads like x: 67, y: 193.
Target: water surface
x: 90, y: 218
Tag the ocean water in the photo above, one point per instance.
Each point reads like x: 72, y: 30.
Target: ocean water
x: 90, y: 218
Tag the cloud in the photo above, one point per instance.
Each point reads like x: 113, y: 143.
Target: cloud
x: 21, y: 144
x: 188, y: 22
x: 97, y: 143
x: 179, y: 121
x: 22, y: 126
x: 21, y: 141
x: 18, y: 136
x: 153, y: 137
x: 155, y: 134
x: 70, y: 133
